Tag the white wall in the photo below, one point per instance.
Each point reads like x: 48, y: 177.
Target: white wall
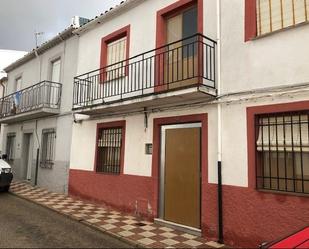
x: 33, y: 72
x: 275, y: 60
x: 278, y: 59
x: 136, y: 162
x: 54, y: 179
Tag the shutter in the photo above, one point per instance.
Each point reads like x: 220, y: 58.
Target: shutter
x: 116, y: 52
x: 286, y: 134
x: 174, y: 29
x: 273, y: 15
x: 110, y: 138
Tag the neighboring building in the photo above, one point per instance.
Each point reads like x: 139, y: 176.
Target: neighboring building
x: 6, y: 58
x: 37, y: 113
x: 3, y: 83
x: 158, y: 107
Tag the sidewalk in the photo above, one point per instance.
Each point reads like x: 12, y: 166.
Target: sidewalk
x: 124, y: 227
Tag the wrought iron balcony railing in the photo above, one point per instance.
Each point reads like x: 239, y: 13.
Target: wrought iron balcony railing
x: 182, y: 64
x: 45, y: 94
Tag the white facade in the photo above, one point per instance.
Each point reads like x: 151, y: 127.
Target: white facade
x: 142, y: 33
x: 142, y: 39
x: 31, y: 72
x: 245, y: 66
x: 136, y: 162
x: 265, y: 71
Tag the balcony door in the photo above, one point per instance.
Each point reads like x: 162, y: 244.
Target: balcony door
x: 55, y: 72
x: 51, y: 90
x: 17, y: 97
x: 181, y: 61
x: 18, y: 84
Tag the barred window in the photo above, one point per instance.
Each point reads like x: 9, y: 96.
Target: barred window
x: 10, y: 146
x: 109, y: 150
x: 48, y: 148
x: 273, y: 15
x: 282, y: 147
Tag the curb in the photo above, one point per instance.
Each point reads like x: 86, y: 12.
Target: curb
x: 84, y: 222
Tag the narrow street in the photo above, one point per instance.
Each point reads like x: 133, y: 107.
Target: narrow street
x: 24, y: 224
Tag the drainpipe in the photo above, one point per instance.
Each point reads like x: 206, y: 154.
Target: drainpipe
x: 37, y: 155
x: 36, y: 176
x: 3, y: 88
x: 219, y: 114
x: 2, y: 101
x: 3, y: 92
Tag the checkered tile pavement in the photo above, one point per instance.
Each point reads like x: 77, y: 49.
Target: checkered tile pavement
x: 123, y: 226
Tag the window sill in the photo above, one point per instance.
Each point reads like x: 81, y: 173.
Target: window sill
x: 46, y: 165
x: 107, y: 174
x: 266, y: 191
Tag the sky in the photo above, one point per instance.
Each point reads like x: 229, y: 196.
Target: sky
x: 20, y: 19
x: 7, y: 57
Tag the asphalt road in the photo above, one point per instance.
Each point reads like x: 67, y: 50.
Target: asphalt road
x: 27, y: 225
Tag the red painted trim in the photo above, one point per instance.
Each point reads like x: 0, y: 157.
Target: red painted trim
x: 251, y: 136
x: 164, y: 13
x: 157, y: 123
x: 258, y: 217
x: 120, y: 192
x: 250, y: 20
x: 118, y: 34
x: 107, y: 125
x: 175, y: 9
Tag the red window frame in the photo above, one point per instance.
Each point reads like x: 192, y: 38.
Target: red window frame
x: 116, y: 124
x: 250, y: 20
x: 116, y: 35
x: 251, y: 134
x: 175, y: 9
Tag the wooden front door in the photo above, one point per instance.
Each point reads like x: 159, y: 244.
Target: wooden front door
x: 180, y: 174
x: 27, y: 155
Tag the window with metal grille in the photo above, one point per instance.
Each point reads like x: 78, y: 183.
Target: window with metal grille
x: 273, y: 15
x: 282, y: 149
x: 48, y: 148
x: 109, y: 150
x: 10, y: 146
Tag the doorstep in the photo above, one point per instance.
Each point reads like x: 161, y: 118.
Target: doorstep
x: 120, y: 225
x: 186, y: 229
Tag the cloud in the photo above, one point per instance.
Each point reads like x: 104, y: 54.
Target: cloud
x: 19, y: 19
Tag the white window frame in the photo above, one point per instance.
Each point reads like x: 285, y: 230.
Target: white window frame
x: 58, y: 59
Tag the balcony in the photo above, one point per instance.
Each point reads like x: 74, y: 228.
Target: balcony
x: 177, y: 73
x: 37, y: 101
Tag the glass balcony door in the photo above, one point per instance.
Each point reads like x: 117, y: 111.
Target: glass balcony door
x: 181, y: 60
